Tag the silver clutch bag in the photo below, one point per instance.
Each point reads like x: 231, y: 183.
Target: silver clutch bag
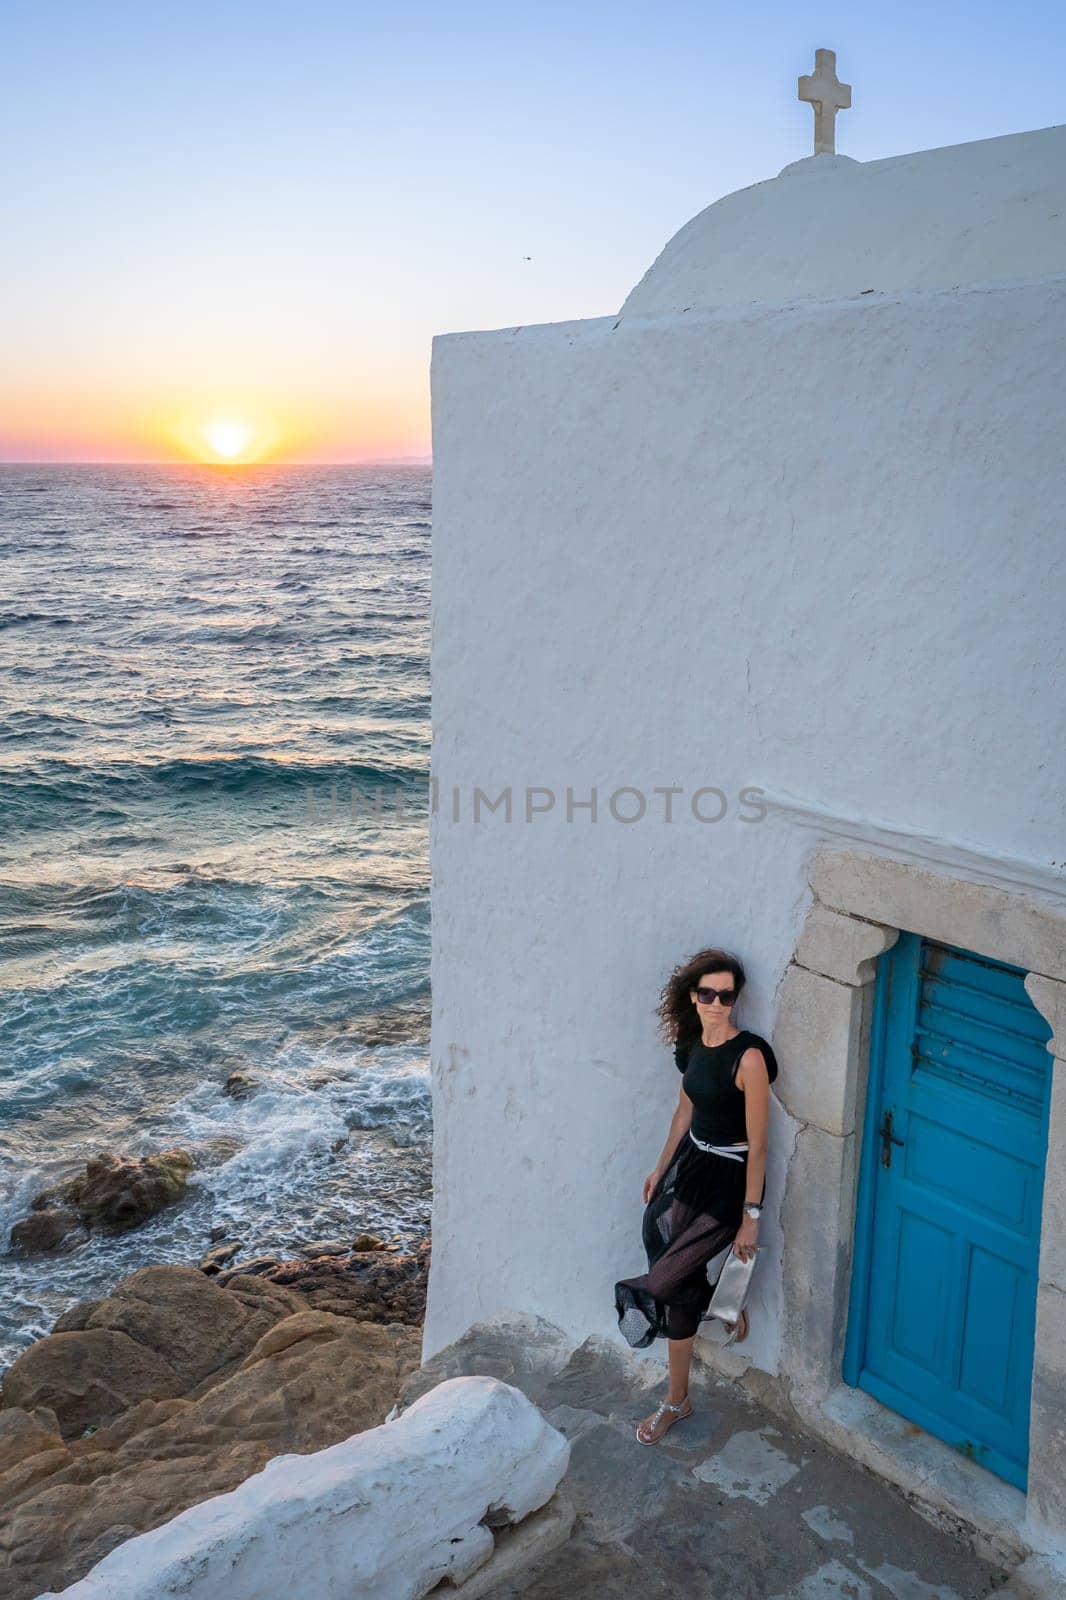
x: 731, y: 1290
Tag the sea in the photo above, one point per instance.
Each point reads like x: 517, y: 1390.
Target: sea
x: 214, y: 784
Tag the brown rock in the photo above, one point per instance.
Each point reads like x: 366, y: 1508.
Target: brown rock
x: 264, y: 1304
x: 145, y: 1414
x: 239, y: 1085
x: 86, y: 1376
x: 72, y: 1317
x: 259, y: 1294
x: 25, y: 1433
x: 162, y: 1331
x: 217, y: 1257
x: 308, y: 1383
x: 372, y: 1287
x: 19, y: 1481
x: 45, y: 1228
x: 315, y: 1327
x: 247, y: 1269
x: 369, y: 1241
x: 182, y: 1316
x: 122, y: 1192
x: 115, y: 1191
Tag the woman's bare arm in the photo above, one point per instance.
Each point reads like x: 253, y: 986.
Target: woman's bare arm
x: 680, y: 1123
x: 754, y: 1080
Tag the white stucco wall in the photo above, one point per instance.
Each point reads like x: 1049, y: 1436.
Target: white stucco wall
x: 830, y: 227
x: 814, y: 548
x: 385, y: 1515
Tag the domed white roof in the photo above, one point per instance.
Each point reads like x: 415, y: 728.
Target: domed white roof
x: 830, y: 227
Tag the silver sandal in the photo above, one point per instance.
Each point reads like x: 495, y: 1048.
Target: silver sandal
x: 657, y: 1415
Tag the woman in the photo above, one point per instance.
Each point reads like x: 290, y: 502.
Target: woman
x: 707, y: 1188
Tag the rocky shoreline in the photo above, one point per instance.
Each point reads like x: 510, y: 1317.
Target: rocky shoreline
x: 182, y: 1381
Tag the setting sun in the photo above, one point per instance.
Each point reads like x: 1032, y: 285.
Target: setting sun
x: 228, y: 439
x: 237, y: 430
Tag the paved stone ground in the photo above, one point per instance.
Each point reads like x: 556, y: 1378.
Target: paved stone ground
x: 734, y: 1504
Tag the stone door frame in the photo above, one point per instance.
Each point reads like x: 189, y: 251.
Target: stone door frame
x: 821, y: 1038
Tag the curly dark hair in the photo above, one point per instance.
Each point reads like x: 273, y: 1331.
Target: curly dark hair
x: 677, y: 1015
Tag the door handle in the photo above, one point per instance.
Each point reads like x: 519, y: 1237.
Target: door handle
x: 888, y: 1139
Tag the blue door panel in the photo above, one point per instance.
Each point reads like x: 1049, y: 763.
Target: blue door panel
x: 923, y: 1274
x: 943, y: 1305
x: 986, y: 1342
x: 987, y: 1182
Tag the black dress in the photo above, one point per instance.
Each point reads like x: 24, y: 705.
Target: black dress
x: 698, y: 1204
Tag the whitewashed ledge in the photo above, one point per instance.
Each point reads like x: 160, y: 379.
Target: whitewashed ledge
x: 389, y: 1513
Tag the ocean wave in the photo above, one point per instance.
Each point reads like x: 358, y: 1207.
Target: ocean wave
x: 147, y: 976
x: 20, y: 619
x: 31, y: 793
x: 224, y: 632
x: 18, y: 726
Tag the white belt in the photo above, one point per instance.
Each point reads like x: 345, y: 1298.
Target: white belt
x: 730, y: 1150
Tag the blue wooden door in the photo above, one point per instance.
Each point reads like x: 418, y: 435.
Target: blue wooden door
x: 943, y: 1303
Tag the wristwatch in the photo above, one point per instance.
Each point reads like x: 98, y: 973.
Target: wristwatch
x: 752, y: 1210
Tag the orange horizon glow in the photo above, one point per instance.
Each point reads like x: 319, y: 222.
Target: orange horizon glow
x: 224, y: 466
x: 233, y: 436
x: 233, y: 429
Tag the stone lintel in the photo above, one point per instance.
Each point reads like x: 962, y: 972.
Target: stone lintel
x: 1016, y: 925
x: 841, y: 946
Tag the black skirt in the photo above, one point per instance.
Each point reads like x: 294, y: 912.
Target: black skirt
x: 694, y: 1212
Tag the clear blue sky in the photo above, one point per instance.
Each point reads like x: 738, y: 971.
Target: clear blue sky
x: 278, y: 204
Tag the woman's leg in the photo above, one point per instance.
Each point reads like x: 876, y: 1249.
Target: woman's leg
x: 679, y: 1358
x: 678, y: 1282
x: 678, y: 1278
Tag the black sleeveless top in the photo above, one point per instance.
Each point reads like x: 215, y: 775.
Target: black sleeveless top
x: 709, y: 1073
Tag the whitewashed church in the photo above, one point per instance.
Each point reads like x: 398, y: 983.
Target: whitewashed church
x: 748, y: 630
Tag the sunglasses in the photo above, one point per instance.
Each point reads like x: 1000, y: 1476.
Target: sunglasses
x: 706, y: 996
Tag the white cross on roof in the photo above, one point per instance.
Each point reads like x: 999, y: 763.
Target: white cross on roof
x: 825, y: 92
